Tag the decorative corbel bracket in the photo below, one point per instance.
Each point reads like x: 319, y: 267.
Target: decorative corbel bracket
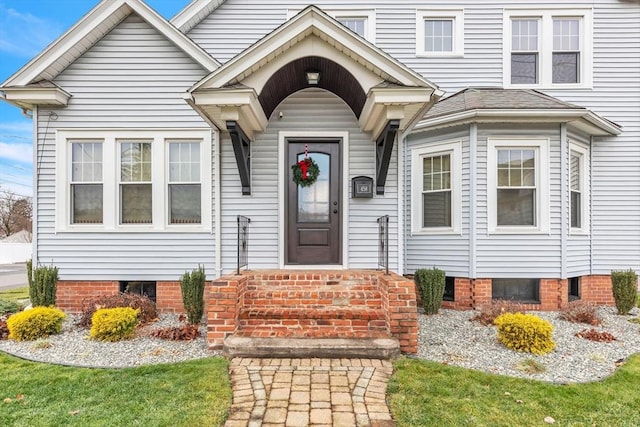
x: 384, y: 147
x: 242, y: 150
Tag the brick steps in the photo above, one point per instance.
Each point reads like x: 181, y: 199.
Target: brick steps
x: 319, y: 313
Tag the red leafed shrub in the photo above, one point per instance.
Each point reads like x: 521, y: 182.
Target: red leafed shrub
x: 581, y: 312
x: 4, y: 330
x: 147, y: 308
x: 593, y: 335
x: 186, y: 332
x: 495, y: 308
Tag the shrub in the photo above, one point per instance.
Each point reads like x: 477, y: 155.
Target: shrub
x: 192, y: 287
x: 430, y: 283
x: 42, y: 286
x: 495, y: 308
x: 36, y: 323
x: 525, y: 332
x: 7, y: 306
x: 625, y: 290
x: 581, y: 312
x: 4, y: 329
x: 147, y: 314
x: 593, y: 335
x: 114, y: 324
x: 177, y: 333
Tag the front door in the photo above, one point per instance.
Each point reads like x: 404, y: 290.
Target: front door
x: 313, y: 230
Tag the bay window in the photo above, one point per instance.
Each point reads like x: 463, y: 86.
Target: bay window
x: 518, y: 188
x: 436, y: 188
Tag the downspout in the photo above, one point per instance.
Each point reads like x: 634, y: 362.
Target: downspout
x: 473, y: 177
x: 402, y: 236
x: 34, y: 200
x: 217, y: 161
x: 564, y: 197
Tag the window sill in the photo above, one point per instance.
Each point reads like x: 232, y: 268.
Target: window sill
x: 578, y: 232
x: 517, y: 230
x: 439, y: 55
x: 436, y: 232
x: 133, y: 229
x: 567, y: 86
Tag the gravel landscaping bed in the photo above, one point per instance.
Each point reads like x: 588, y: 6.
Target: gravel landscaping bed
x: 74, y: 348
x: 451, y: 338
x: 448, y: 337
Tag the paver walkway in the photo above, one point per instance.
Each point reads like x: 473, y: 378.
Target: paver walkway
x: 309, y: 392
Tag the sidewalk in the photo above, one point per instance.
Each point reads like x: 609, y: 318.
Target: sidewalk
x: 309, y: 392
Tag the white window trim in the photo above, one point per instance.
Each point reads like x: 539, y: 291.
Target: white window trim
x: 584, y: 185
x: 543, y: 210
x: 110, y: 139
x: 545, y: 43
x: 168, y: 183
x: 349, y: 13
x: 154, y: 190
x: 454, y: 148
x: 457, y: 16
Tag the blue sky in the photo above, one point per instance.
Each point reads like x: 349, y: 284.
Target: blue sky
x: 26, y: 28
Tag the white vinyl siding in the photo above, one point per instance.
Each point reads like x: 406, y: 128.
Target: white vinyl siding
x: 132, y: 79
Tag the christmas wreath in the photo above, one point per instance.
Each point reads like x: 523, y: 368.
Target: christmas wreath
x: 305, y: 172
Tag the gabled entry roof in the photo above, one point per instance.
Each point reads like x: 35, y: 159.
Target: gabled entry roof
x: 513, y: 105
x: 80, y: 38
x: 390, y: 89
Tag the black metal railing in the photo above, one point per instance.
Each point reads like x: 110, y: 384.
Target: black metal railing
x: 383, y: 243
x: 243, y: 242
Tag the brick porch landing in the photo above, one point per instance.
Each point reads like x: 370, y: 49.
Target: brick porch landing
x: 267, y: 310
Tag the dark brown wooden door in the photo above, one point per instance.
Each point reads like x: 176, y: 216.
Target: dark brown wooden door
x: 314, y: 213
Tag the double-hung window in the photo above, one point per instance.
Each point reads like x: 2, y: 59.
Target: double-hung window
x: 133, y: 180
x: 517, y: 179
x: 184, y: 183
x: 578, y: 200
x: 440, y: 33
x: 548, y: 48
x: 436, y: 188
x: 136, y: 205
x: 86, y: 183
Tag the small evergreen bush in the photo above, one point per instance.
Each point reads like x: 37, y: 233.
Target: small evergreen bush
x: 430, y: 283
x: 7, y: 306
x: 148, y: 312
x: 525, y: 332
x: 625, y: 290
x: 43, y: 282
x: 39, y: 322
x: 192, y: 287
x: 114, y: 324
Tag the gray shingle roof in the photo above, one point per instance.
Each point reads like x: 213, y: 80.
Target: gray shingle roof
x: 497, y: 99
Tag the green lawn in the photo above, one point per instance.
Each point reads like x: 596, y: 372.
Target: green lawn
x: 195, y: 393
x: 431, y: 394
x: 15, y: 294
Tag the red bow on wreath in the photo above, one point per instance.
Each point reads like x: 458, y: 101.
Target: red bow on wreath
x: 304, y: 165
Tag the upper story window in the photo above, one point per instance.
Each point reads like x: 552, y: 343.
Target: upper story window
x: 578, y: 199
x: 360, y: 21
x: 551, y: 48
x: 86, y: 183
x: 133, y: 180
x: 440, y: 33
x: 517, y: 183
x: 436, y: 188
